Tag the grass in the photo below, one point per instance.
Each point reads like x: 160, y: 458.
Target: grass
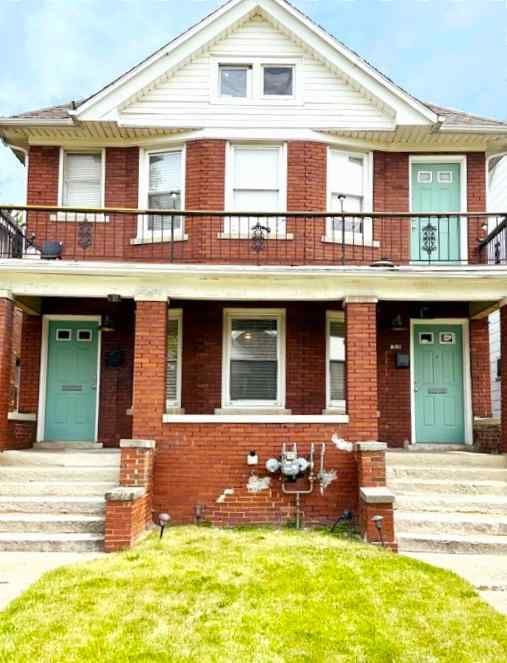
x: 255, y: 595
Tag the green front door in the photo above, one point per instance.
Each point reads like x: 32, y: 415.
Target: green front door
x: 436, y: 187
x: 438, y: 384
x: 71, y: 381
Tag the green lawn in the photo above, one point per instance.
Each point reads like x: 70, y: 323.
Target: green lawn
x: 258, y: 595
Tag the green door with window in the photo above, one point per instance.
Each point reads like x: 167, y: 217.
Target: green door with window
x: 438, y: 384
x: 71, y: 381
x: 436, y: 187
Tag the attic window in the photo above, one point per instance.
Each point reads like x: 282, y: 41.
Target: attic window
x: 278, y: 81
x: 234, y: 80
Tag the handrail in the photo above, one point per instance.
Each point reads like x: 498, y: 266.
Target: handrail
x: 496, y: 231
x: 201, y: 213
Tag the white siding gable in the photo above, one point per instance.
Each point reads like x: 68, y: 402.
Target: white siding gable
x: 187, y: 98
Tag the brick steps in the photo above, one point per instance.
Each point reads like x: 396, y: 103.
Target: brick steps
x: 451, y: 502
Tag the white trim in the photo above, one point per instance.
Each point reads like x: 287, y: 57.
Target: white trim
x: 176, y: 314
x: 467, y: 374
x: 333, y: 405
x: 41, y: 421
x: 21, y: 416
x: 145, y: 236
x: 460, y: 159
x: 255, y: 419
x: 486, y: 175
x: 61, y: 159
x: 254, y: 313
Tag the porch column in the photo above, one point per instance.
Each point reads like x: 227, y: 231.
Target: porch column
x: 503, y: 379
x: 480, y: 367
x: 149, y: 368
x: 6, y: 334
x: 31, y: 340
x: 361, y: 367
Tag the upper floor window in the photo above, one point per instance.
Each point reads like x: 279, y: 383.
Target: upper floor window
x: 235, y: 80
x: 162, y: 187
x: 349, y: 191
x: 256, y: 182
x: 82, y: 179
x: 277, y: 81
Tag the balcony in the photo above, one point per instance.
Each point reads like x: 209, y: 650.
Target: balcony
x: 293, y: 238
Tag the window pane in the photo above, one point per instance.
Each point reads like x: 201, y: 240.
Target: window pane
x: 337, y: 340
x: 347, y: 174
x: 337, y: 360
x: 164, y: 201
x: 82, y: 186
x: 254, y: 360
x: 337, y: 380
x: 256, y: 168
x: 278, y: 81
x: 233, y: 81
x: 165, y: 172
x: 172, y: 360
x: 256, y: 201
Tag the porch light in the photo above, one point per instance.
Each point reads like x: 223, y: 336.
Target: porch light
x: 163, y: 521
x: 107, y: 323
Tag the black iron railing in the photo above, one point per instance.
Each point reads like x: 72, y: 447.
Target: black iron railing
x: 290, y: 238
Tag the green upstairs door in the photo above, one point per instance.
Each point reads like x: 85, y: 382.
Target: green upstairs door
x: 438, y: 384
x: 436, y: 187
x: 71, y: 383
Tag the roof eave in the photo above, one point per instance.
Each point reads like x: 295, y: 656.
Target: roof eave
x: 464, y: 128
x: 35, y: 122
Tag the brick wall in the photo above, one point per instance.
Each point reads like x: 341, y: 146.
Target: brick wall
x: 6, y: 325
x: 480, y: 367
x: 31, y: 338
x: 476, y: 192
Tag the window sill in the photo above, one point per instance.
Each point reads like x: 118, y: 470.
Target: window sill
x: 332, y: 411
x: 254, y: 418
x: 251, y: 410
x: 21, y: 416
x: 174, y: 410
x: 285, y: 236
x: 79, y: 217
x: 158, y: 240
x: 351, y: 241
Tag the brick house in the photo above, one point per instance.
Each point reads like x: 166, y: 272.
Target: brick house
x: 251, y: 238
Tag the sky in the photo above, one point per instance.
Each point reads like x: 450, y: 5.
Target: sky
x: 449, y: 52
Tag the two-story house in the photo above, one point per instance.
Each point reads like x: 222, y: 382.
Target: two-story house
x: 252, y: 238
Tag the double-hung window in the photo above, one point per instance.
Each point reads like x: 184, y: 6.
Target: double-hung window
x: 254, y: 358
x: 257, y: 180
x: 335, y: 341
x: 162, y: 187
x: 174, y: 353
x: 349, y: 193
x: 81, y: 185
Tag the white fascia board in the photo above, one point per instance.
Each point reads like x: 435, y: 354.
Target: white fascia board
x: 104, y: 105
x: 35, y: 122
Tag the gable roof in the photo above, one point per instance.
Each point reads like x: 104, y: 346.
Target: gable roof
x: 145, y: 73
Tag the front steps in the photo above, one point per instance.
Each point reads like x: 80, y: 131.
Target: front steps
x: 451, y: 500
x: 52, y: 500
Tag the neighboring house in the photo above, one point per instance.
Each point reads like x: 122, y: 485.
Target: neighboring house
x: 312, y: 262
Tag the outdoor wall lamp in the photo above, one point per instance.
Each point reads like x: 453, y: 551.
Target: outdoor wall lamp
x: 378, y: 521
x: 163, y: 521
x: 107, y: 323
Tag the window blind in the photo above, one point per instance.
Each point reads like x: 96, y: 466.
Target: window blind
x: 254, y: 360
x: 82, y: 180
x: 336, y: 360
x: 173, y: 331
x: 164, y: 189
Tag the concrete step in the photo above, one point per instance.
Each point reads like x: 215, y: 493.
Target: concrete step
x: 56, y: 504
x: 463, y: 487
x: 64, y: 458
x: 451, y: 458
x: 27, y: 473
x: 478, y: 504
x: 455, y: 523
x: 446, y: 472
x: 451, y: 543
x: 51, y: 523
x: 39, y: 542
x: 63, y: 488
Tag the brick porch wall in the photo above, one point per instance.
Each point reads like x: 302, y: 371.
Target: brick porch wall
x: 6, y: 339
x: 480, y: 367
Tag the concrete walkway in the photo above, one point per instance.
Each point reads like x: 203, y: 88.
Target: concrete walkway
x: 19, y: 570
x: 487, y: 573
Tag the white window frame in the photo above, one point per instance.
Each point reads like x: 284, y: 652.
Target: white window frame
x: 255, y: 89
x: 256, y: 314
x: 234, y: 222
x: 72, y: 217
x: 359, y: 239
x: 340, y: 406
x: 145, y: 236
x: 176, y: 314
